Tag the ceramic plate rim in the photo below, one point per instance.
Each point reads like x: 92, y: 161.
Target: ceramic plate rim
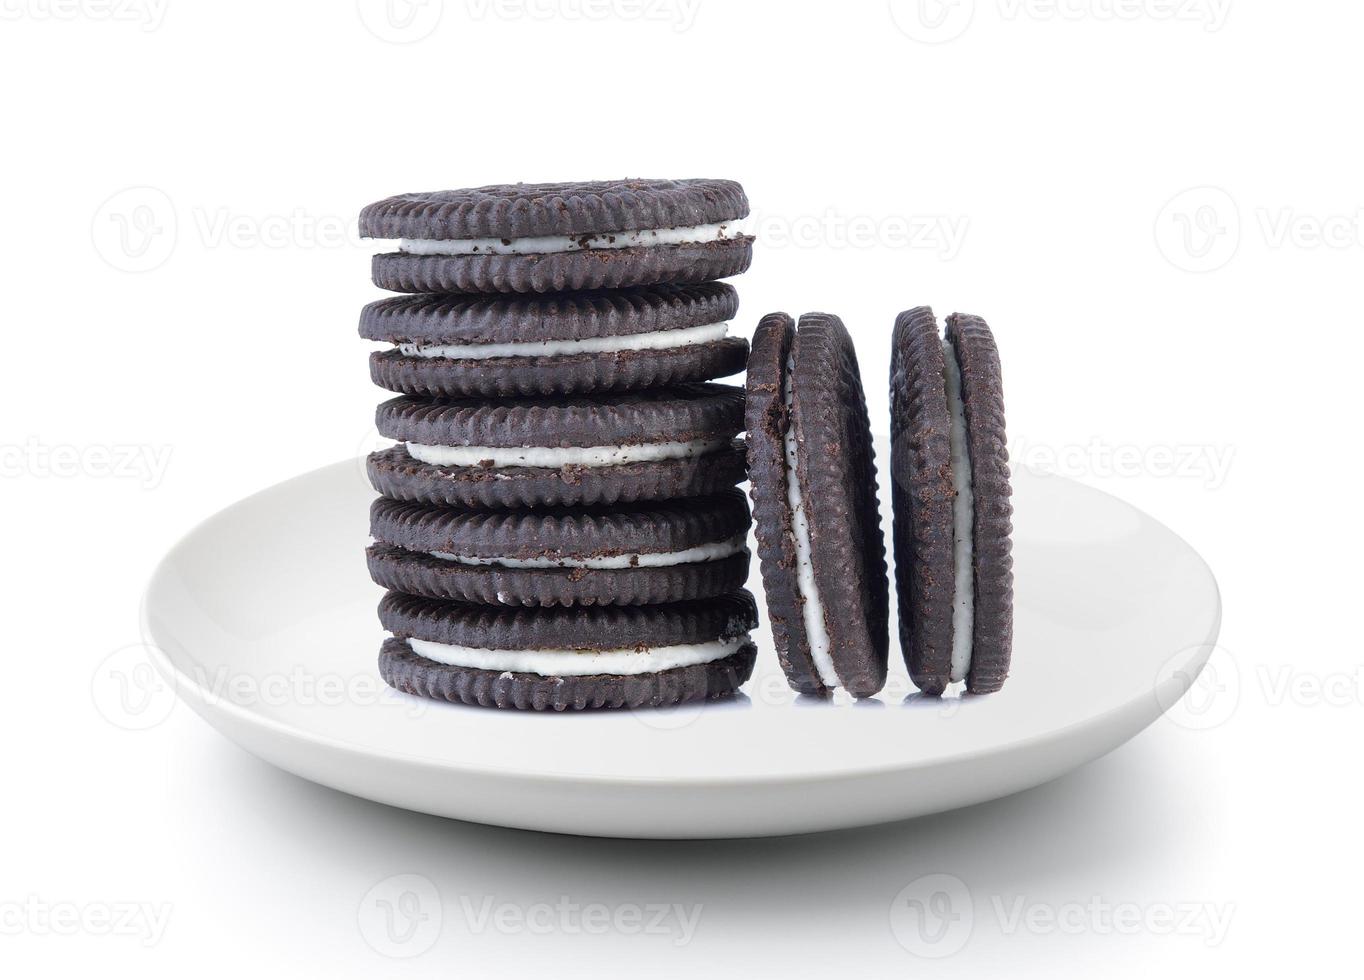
x: 206, y: 706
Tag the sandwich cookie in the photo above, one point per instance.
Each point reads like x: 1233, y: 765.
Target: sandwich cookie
x: 813, y: 476
x: 630, y: 555
x: 556, y: 343
x: 554, y: 452
x: 536, y: 238
x: 576, y: 658
x: 950, y: 488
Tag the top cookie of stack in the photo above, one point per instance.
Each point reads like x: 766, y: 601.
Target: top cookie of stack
x: 552, y: 358
x: 539, y: 238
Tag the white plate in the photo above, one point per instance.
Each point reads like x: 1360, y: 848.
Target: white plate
x: 264, y: 620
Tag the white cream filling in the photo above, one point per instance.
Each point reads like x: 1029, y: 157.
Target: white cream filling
x: 714, y: 551
x: 812, y: 607
x: 963, y: 517
x: 554, y: 457
x: 655, y: 340
x: 542, y: 244
x: 576, y: 663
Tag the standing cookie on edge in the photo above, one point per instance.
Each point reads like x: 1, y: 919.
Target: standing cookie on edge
x: 537, y: 238
x: 950, y: 489
x: 813, y: 476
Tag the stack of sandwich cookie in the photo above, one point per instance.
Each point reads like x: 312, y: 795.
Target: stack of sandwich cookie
x: 951, y: 496
x: 559, y: 526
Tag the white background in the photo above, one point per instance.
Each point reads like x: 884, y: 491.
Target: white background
x: 1157, y: 205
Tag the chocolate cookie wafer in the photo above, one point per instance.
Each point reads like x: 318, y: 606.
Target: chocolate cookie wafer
x: 628, y: 555
x: 575, y: 658
x: 951, y: 496
x: 813, y: 476
x: 535, y: 238
x: 579, y: 451
x: 556, y: 343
